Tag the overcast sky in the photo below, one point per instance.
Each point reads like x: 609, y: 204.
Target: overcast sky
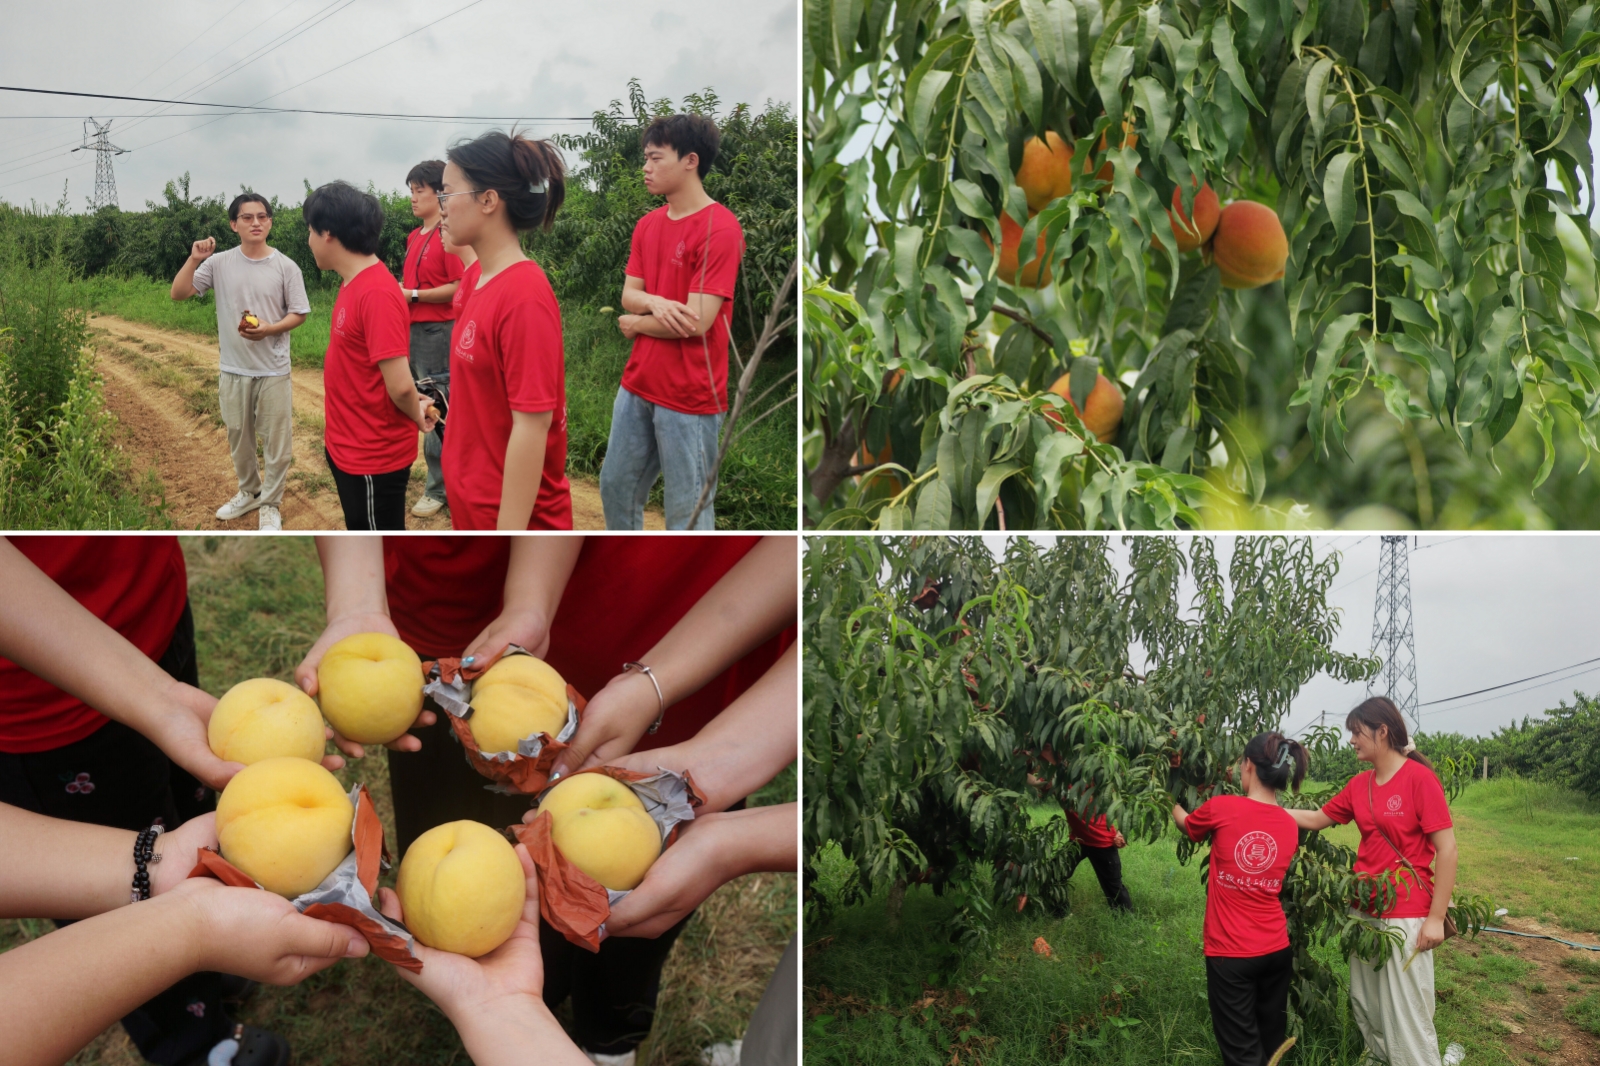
x: 513, y: 58
x: 1485, y: 610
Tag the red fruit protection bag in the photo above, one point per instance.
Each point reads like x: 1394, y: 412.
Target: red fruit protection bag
x: 576, y: 904
x: 345, y: 895
x: 525, y: 771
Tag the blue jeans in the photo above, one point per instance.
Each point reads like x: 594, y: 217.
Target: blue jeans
x: 648, y: 439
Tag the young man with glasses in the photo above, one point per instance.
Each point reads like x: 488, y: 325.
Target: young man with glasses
x: 428, y: 281
x: 253, y: 387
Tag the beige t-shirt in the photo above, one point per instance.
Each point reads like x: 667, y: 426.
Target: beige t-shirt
x: 268, y: 288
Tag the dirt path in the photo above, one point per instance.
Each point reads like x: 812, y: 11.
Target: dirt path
x: 1530, y: 1018
x: 162, y: 387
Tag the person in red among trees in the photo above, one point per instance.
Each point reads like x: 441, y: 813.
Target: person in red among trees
x: 1249, y: 963
x: 372, y: 409
x: 429, y: 280
x: 1098, y: 841
x: 505, y: 445
x: 678, y: 295
x: 1406, y: 832
x: 709, y: 615
x: 102, y: 721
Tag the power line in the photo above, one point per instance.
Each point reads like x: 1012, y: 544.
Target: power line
x: 1508, y: 684
x: 1518, y: 692
x: 308, y: 111
x: 185, y: 48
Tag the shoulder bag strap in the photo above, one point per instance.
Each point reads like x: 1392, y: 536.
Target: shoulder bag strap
x: 1449, y: 923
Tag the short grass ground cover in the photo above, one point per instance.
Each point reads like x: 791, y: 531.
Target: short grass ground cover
x: 258, y: 607
x: 757, y: 488
x: 1120, y: 990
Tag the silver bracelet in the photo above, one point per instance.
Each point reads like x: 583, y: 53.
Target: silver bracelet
x: 661, y: 701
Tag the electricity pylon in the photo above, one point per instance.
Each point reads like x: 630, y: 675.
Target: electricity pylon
x: 105, y: 182
x: 1391, y: 631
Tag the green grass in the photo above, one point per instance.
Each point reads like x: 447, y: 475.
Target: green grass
x: 258, y: 606
x: 1122, y: 990
x: 757, y: 488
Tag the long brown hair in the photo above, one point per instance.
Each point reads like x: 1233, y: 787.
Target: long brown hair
x: 1381, y: 711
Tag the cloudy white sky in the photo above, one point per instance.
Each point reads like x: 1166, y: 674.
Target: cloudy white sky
x: 1485, y: 610
x: 501, y: 58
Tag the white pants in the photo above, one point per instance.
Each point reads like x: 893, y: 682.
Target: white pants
x: 1394, y: 1006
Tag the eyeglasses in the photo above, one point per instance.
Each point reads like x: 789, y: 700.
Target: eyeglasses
x: 443, y: 196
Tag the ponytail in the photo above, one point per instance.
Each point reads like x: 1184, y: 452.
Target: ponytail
x: 529, y: 176
x: 1381, y: 711
x: 1280, y: 762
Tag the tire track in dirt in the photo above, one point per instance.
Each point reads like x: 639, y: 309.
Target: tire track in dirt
x: 161, y: 385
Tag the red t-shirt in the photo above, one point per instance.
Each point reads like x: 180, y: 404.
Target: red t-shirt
x: 135, y: 585
x: 1412, y: 804
x: 1252, y: 846
x: 428, y: 266
x: 506, y: 355
x: 365, y: 433
x: 625, y: 593
x: 1096, y: 834
x: 670, y: 255
x: 469, y: 281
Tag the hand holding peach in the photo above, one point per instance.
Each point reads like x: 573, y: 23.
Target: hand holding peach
x: 371, y: 687
x: 286, y: 823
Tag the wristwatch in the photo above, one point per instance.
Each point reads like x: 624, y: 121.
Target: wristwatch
x: 414, y: 294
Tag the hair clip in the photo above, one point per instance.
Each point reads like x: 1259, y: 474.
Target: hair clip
x: 541, y: 187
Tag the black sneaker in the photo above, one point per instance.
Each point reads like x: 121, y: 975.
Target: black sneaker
x: 252, y: 1047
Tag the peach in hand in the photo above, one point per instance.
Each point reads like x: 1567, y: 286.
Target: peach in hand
x: 461, y: 888
x: 602, y: 828
x: 263, y: 718
x: 370, y: 687
x: 285, y: 822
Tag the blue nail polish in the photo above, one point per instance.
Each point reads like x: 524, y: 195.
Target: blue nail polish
x: 469, y: 660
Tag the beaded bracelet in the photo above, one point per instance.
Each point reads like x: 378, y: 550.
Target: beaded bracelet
x: 144, y: 855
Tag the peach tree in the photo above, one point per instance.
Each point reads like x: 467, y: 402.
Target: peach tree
x: 943, y: 687
x: 1086, y: 264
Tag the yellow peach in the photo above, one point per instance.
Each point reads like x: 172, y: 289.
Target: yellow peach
x: 286, y: 822
x: 263, y: 718
x: 602, y: 828
x: 517, y: 697
x: 461, y: 888
x: 370, y: 687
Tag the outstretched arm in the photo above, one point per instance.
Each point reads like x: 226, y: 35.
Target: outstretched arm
x: 48, y: 633
x: 63, y: 988
x: 751, y: 602
x: 1312, y: 820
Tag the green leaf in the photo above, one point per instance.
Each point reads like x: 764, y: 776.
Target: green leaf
x: 1316, y: 91
x: 1328, y: 356
x: 1151, y: 97
x: 933, y: 504
x: 989, y: 488
x: 1222, y: 44
x: 1055, y: 33
x: 1048, y: 456
x: 927, y: 99
x: 1339, y: 193
x: 1424, y: 273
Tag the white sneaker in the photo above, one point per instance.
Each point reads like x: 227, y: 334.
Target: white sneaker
x: 625, y: 1059
x: 242, y: 503
x: 721, y: 1054
x: 426, y: 506
x: 1454, y: 1054
x: 269, y: 519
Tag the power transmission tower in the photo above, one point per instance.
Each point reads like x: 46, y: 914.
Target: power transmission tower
x: 105, y: 182
x: 1391, y: 631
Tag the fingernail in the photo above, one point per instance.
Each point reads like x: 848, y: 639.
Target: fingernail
x: 556, y: 776
x: 469, y: 660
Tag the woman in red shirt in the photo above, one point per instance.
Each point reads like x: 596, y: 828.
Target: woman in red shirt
x: 1249, y: 963
x: 505, y: 456
x: 1400, y: 808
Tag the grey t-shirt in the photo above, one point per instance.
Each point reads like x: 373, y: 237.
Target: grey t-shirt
x: 268, y: 288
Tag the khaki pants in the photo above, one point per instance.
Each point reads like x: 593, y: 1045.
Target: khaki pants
x: 264, y: 406
x: 1394, y: 1006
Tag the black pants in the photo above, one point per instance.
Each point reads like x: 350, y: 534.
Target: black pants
x: 613, y: 991
x: 371, y: 501
x: 1249, y: 1005
x: 1108, y: 870
x: 134, y: 785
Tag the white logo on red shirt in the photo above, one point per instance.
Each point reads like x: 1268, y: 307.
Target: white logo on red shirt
x: 1394, y: 803
x: 1255, y: 852
x: 469, y: 334
x: 338, y: 323
x: 677, y: 254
